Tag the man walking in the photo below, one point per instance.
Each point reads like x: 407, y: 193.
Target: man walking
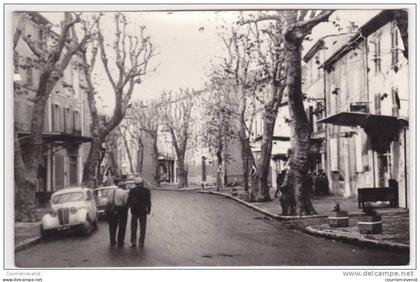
x: 117, y: 214
x: 140, y: 204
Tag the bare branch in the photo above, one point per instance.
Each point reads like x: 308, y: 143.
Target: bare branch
x: 104, y: 59
x: 302, y: 15
x: 41, y: 54
x: 314, y: 20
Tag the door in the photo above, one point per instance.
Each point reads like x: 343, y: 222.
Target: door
x: 73, y: 170
x: 59, y: 172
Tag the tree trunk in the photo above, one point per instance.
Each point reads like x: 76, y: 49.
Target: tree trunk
x: 247, y: 157
x: 247, y: 163
x: 219, y: 155
x: 127, y: 150
x: 140, y: 156
x: 25, y: 181
x: 156, y: 160
x: 219, y: 184
x: 266, y: 148
x: 182, y: 173
x: 89, y: 169
x: 299, y: 201
x: 99, y: 173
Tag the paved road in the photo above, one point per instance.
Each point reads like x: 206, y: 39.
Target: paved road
x: 193, y: 229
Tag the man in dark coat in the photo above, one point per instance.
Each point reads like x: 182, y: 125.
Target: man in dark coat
x: 139, y: 201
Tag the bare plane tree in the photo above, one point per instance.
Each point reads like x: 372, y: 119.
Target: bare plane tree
x: 143, y: 121
x: 220, y: 112
x: 295, y: 26
x: 52, y: 61
x: 131, y: 56
x: 177, y: 119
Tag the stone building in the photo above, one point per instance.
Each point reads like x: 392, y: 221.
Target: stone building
x: 66, y: 122
x: 365, y: 81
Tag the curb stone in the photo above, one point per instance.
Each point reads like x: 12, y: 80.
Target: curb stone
x: 27, y: 243
x: 360, y: 241
x: 269, y: 214
x: 330, y: 235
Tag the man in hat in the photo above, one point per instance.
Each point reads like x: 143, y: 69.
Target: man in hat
x: 139, y: 201
x: 117, y: 214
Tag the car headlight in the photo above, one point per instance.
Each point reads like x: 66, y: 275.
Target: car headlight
x: 53, y: 213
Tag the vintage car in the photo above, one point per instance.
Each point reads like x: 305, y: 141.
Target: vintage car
x: 71, y: 208
x: 101, y: 198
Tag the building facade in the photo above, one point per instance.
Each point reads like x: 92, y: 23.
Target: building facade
x: 66, y: 121
x: 365, y: 117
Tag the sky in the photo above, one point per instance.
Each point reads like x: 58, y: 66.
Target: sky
x: 187, y: 42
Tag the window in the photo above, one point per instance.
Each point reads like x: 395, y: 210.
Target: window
x: 29, y: 72
x: 394, y: 45
x: 64, y: 120
x: 68, y: 119
x: 42, y: 40
x: 334, y: 154
x: 317, y: 66
x: 45, y: 126
x: 358, y: 152
x: 377, y: 55
x: 73, y: 170
x: 76, y: 122
x: 396, y: 104
x: 57, y: 119
x: 28, y: 114
x: 378, y: 104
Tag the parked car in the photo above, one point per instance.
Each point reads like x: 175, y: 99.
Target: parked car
x: 101, y: 198
x: 71, y: 208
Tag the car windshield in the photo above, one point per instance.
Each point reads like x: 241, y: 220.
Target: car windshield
x: 103, y: 193
x: 68, y: 197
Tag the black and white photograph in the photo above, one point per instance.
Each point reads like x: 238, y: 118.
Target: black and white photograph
x: 210, y: 136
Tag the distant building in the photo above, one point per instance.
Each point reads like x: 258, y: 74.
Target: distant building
x: 365, y: 83
x: 281, y: 140
x: 201, y: 160
x: 66, y: 122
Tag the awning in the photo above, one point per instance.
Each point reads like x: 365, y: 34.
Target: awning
x: 367, y: 121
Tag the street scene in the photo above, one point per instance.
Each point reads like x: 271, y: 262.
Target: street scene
x: 214, y: 138
x: 214, y: 232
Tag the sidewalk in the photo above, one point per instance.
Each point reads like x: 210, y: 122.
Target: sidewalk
x: 28, y: 233
x: 395, y: 221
